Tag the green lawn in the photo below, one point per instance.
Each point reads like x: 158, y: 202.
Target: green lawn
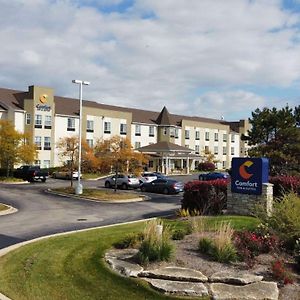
x: 100, y: 194
x: 72, y: 267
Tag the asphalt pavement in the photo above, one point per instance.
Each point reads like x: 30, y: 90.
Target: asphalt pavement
x: 41, y: 214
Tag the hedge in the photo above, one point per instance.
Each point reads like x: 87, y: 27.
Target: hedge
x: 206, y: 166
x: 205, y: 197
x: 284, y: 184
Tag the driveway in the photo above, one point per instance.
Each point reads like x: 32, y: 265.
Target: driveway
x: 41, y: 214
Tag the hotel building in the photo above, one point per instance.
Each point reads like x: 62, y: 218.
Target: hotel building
x: 173, y: 142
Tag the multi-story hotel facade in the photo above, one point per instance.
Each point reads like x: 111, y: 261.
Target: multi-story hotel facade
x: 172, y: 141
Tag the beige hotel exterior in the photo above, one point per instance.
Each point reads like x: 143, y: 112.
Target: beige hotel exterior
x: 174, y: 142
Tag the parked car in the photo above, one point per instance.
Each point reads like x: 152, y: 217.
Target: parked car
x: 150, y: 176
x: 163, y: 185
x: 123, y: 181
x: 31, y: 173
x: 65, y: 175
x: 213, y: 176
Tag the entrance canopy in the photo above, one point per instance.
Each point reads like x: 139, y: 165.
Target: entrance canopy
x: 170, y: 157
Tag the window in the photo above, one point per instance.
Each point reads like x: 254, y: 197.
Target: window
x: 47, y: 143
x: 151, y: 131
x: 150, y: 164
x: 216, y: 150
x: 207, y: 136
x: 137, y: 145
x: 206, y: 150
x: 165, y: 130
x: 38, y: 142
x: 197, y: 149
x: 89, y: 126
x: 123, y: 129
x: 37, y: 162
x: 138, y: 130
x: 172, y: 133
x: 232, y: 138
x: 28, y: 119
x: 176, y: 133
x: 216, y: 137
x: 224, y: 137
x: 48, y: 122
x: 197, y: 135
x: 232, y: 150
x: 187, y: 134
x: 224, y: 151
x: 38, y: 121
x: 224, y: 164
x: 71, y: 124
x: 90, y: 143
x: 107, y: 127
x: 46, y: 163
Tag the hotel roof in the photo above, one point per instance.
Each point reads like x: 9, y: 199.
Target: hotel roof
x: 70, y: 106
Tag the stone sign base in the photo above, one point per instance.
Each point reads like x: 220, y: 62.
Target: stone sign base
x: 244, y: 204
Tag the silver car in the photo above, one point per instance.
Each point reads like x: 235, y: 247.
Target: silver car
x: 123, y: 181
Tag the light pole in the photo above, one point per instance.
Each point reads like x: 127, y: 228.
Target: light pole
x: 78, y: 189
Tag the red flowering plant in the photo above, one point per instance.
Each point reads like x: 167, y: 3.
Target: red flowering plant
x: 281, y: 273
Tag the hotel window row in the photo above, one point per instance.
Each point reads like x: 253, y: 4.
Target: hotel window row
x: 38, y: 142
x: 38, y: 121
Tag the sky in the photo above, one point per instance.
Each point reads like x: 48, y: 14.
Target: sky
x: 207, y: 58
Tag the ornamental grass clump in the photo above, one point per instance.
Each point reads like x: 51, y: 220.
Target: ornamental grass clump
x: 157, y: 245
x: 220, y: 247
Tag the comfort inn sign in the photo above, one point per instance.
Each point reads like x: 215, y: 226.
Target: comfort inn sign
x: 248, y: 175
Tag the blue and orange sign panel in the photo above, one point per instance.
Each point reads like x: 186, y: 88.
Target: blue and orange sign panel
x: 248, y: 175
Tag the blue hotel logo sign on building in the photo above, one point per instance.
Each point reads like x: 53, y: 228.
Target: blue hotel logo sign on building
x: 248, y: 175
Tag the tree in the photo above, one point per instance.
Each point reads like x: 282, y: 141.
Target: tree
x: 15, y: 147
x: 117, y: 153
x: 276, y: 134
x: 68, y: 151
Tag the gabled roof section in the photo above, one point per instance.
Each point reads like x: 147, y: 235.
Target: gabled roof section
x: 12, y: 98
x: 164, y: 117
x: 164, y: 147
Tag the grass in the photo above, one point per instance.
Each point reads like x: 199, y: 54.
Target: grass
x: 3, y: 207
x: 72, y: 267
x: 92, y: 175
x: 99, y: 194
x: 10, y: 179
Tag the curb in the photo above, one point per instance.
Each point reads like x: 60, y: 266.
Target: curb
x: 13, y: 183
x: 8, y: 211
x: 138, y: 199
x: 6, y: 250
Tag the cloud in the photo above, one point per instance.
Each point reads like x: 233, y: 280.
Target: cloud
x: 149, y: 62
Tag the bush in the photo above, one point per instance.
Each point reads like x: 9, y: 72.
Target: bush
x: 206, y: 166
x: 179, y: 234
x: 220, y: 248
x: 131, y: 240
x: 285, y: 184
x: 281, y: 273
x: 155, y: 247
x: 205, y: 245
x: 285, y: 220
x: 207, y: 197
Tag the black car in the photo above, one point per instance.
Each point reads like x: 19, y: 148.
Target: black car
x: 163, y: 185
x: 213, y: 176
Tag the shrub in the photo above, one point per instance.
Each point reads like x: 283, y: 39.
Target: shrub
x: 179, y: 234
x: 155, y: 247
x: 220, y: 248
x: 281, y: 273
x: 205, y: 245
x: 206, y: 166
x: 131, y: 240
x: 285, y: 184
x: 285, y: 219
x: 207, y: 197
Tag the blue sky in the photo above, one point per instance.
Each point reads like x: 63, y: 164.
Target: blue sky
x: 208, y: 58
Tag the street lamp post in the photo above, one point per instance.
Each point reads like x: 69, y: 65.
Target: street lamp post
x: 78, y: 189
